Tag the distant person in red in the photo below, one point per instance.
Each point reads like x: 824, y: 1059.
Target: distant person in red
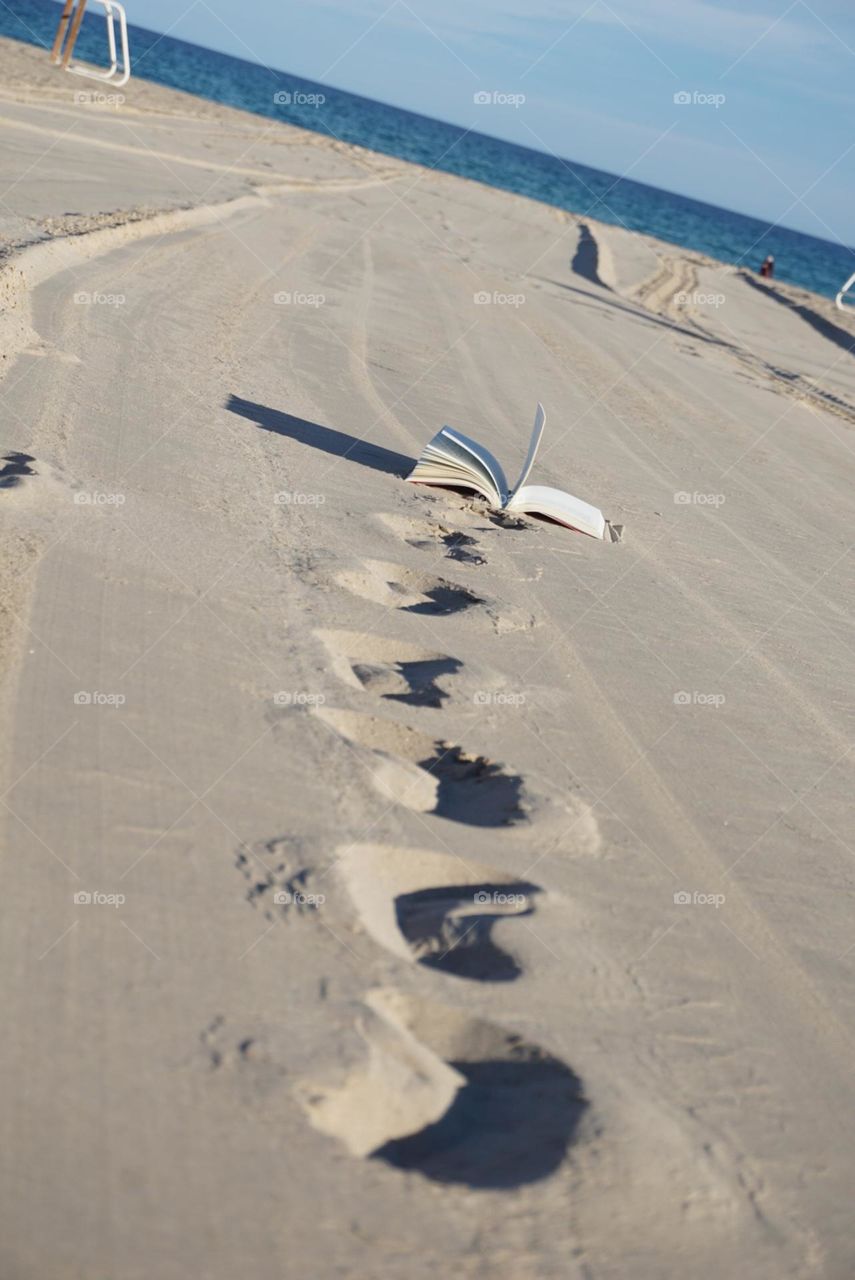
x: 767, y: 266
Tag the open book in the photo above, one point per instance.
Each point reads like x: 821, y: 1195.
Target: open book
x: 452, y: 459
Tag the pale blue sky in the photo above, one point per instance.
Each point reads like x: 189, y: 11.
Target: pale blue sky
x: 599, y: 81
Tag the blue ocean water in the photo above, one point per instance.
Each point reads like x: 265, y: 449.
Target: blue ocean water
x: 801, y: 259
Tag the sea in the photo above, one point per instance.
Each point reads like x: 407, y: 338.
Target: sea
x: 813, y: 263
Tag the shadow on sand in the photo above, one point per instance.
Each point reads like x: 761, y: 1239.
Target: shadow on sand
x: 511, y: 1123
x: 337, y: 443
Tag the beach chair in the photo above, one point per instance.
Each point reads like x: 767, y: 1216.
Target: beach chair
x: 118, y: 72
x: 841, y: 295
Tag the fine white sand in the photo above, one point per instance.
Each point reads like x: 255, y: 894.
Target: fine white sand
x: 467, y: 899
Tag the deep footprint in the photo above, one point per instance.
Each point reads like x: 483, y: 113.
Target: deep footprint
x: 434, y: 908
x: 456, y: 1099
x: 473, y: 789
x: 419, y: 677
x: 430, y: 775
x: 449, y: 928
x: 16, y: 466
x: 395, y: 586
x: 388, y: 668
x: 459, y: 548
x: 415, y: 535
x: 510, y: 1124
x: 444, y: 598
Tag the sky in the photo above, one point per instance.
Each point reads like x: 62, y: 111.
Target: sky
x: 766, y: 130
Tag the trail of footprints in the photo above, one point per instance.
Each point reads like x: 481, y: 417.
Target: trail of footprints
x: 456, y: 1098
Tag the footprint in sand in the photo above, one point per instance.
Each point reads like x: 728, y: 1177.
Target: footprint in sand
x: 459, y: 545
x: 278, y: 882
x: 457, y: 1099
x: 428, y: 774
x: 435, y: 909
x: 389, y: 668
x: 15, y: 466
x: 394, y: 586
x: 247, y: 1060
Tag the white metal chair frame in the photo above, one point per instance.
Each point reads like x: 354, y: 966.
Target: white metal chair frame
x: 66, y: 37
x: 839, y: 299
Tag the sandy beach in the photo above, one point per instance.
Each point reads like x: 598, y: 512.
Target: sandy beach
x: 391, y: 890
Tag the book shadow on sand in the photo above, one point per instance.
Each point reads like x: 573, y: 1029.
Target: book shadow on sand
x: 328, y: 439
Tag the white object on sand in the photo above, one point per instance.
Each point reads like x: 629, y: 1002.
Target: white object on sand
x: 839, y: 299
x: 68, y: 30
x: 452, y: 459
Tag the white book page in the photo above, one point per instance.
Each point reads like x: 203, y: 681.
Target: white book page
x: 454, y: 477
x: 537, y: 432
x: 483, y: 458
x: 560, y: 506
x: 447, y: 460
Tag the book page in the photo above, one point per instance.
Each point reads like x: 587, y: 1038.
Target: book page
x: 452, y: 477
x: 483, y: 461
x: 559, y: 506
x: 537, y: 432
x: 446, y: 460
